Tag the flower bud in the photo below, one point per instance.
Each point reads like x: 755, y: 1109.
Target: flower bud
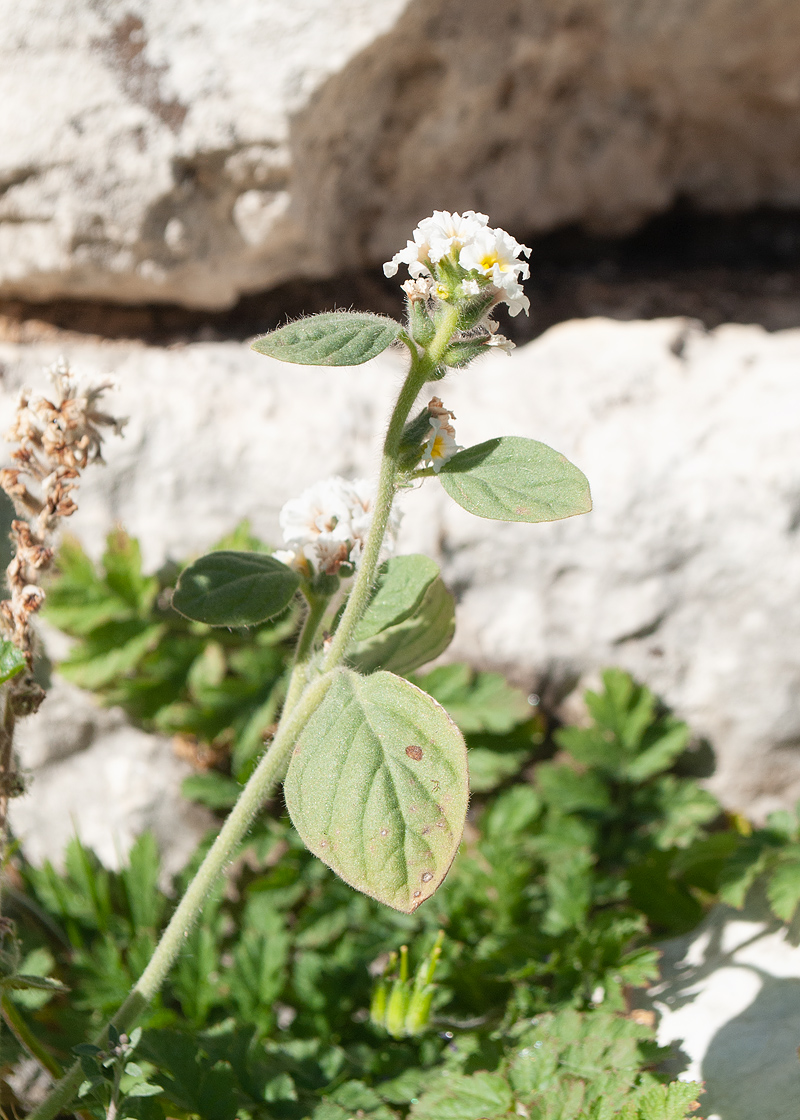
x: 404, y: 1010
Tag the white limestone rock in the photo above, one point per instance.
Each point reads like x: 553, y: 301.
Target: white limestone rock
x: 729, y: 1001
x: 92, y: 775
x: 193, y: 151
x: 686, y: 572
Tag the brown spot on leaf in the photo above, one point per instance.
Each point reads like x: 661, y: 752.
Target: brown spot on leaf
x: 414, y: 752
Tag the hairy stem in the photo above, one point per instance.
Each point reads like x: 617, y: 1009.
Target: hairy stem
x: 302, y: 699
x: 317, y: 605
x: 422, y: 368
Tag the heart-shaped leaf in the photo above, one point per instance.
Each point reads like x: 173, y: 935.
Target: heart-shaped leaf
x: 335, y: 338
x: 516, y: 479
x: 12, y: 660
x: 234, y: 588
x: 377, y: 787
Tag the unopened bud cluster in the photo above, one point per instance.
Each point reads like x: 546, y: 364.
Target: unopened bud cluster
x: 400, y: 1006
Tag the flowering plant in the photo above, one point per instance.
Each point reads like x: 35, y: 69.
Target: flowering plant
x: 374, y: 770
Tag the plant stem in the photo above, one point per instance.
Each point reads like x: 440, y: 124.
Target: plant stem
x: 421, y: 370
x: 302, y: 699
x: 264, y: 777
x: 317, y: 605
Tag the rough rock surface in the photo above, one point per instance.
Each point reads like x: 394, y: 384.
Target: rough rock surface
x: 730, y: 1000
x: 686, y: 572
x: 94, y: 776
x: 193, y: 151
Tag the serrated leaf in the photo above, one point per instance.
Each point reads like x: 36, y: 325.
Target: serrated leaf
x: 12, y: 661
x: 234, y: 589
x: 334, y: 338
x: 516, y: 479
x: 377, y: 787
x: 783, y: 887
x: 465, y: 1098
x: 743, y: 868
x: 413, y: 640
x: 476, y: 701
x: 669, y: 1102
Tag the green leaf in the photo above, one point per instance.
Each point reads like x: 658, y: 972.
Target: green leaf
x: 143, y: 1089
x: 465, y: 1098
x: 476, y: 701
x: 335, y: 338
x: 377, y: 787
x: 234, y: 589
x: 212, y: 789
x: 516, y: 479
x: 399, y: 589
x: 419, y: 631
x: 669, y: 1102
x: 140, y: 877
x: 783, y: 888
x: 488, y: 769
x: 12, y: 661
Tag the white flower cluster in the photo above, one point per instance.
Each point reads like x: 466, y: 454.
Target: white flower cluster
x: 468, y: 240
x: 327, y: 526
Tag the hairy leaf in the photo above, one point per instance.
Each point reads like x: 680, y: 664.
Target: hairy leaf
x: 399, y: 588
x: 334, y: 338
x: 516, y: 479
x: 425, y: 632
x: 377, y: 787
x: 234, y: 589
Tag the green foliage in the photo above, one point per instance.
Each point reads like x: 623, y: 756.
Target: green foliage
x: 560, y: 1067
x: 221, y: 690
x: 334, y: 338
x: 409, y: 621
x: 516, y: 479
x: 646, y: 827
x: 271, y: 1012
x: 113, y: 1083
x: 228, y: 588
x: 377, y: 787
x: 12, y: 660
x: 770, y: 855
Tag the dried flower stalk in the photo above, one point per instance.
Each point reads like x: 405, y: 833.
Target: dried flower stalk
x: 56, y: 439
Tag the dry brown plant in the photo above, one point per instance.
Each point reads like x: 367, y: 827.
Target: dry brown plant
x: 56, y: 438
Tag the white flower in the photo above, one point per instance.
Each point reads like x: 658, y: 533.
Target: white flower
x: 500, y: 342
x: 328, y: 525
x: 494, y: 253
x: 441, y: 444
x: 286, y: 556
x: 468, y: 240
x: 434, y: 238
x: 418, y: 289
x: 323, y: 509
